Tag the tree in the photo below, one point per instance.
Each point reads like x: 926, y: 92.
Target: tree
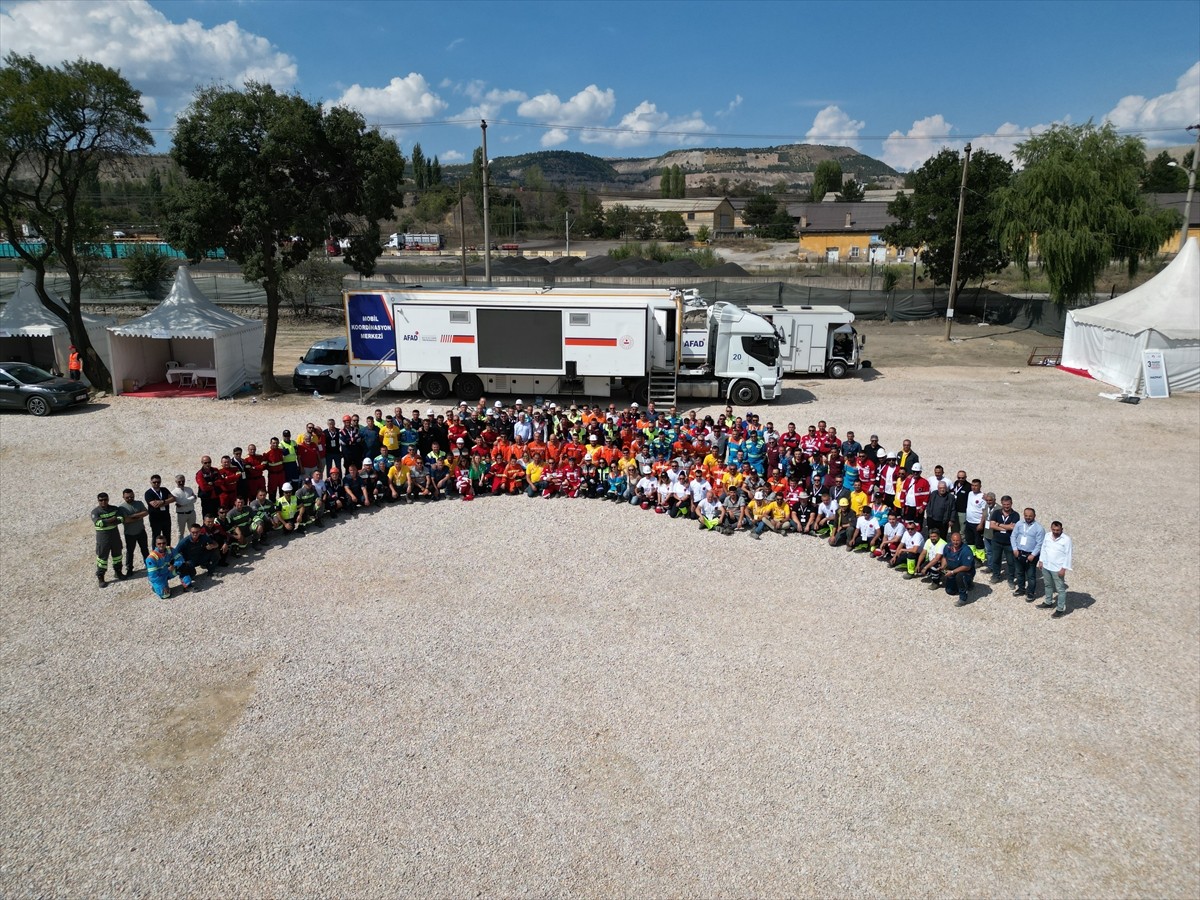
x: 1164, y: 176
x: 147, y: 270
x: 703, y: 233
x: 666, y: 185
x: 57, y: 127
x: 312, y: 280
x: 270, y: 176
x: 1078, y: 201
x: 617, y: 221
x: 781, y: 227
x: 672, y: 227
x: 418, y: 167
x: 435, y: 173
x: 759, y: 209
x: 827, y: 177
x: 852, y: 191
x: 678, y: 182
x: 643, y: 223
x: 926, y: 218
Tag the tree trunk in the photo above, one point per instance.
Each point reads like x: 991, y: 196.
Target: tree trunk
x: 269, y: 385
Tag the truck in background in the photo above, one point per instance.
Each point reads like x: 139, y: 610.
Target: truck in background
x: 591, y: 342
x: 401, y: 241
x: 812, y: 339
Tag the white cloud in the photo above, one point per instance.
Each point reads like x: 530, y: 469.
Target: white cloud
x: 1175, y: 109
x: 165, y: 60
x: 554, y: 137
x: 733, y: 104
x: 454, y: 44
x: 646, y: 123
x: 489, y: 103
x: 926, y: 137
x: 409, y: 98
x: 451, y: 156
x: 1003, y: 141
x: 591, y: 106
x: 832, y: 126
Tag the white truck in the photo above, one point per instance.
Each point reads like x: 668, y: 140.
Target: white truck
x: 812, y: 339
x: 591, y: 342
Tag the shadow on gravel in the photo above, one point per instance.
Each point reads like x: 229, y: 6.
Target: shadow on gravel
x: 797, y: 395
x: 870, y: 374
x: 1076, y: 600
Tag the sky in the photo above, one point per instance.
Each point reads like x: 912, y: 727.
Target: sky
x: 894, y: 80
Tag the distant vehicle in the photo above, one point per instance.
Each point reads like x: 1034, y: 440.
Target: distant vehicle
x: 118, y: 234
x: 401, y: 241
x: 333, y: 248
x: 325, y: 367
x: 29, y: 232
x: 815, y: 339
x: 27, y: 387
x: 510, y: 247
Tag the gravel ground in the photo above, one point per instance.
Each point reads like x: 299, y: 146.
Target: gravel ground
x: 568, y: 698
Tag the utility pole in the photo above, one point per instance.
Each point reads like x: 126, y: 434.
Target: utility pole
x: 1187, y: 205
x: 462, y: 233
x: 487, y: 232
x: 962, y: 198
x: 567, y: 225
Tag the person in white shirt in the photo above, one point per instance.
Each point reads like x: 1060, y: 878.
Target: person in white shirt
x: 700, y: 488
x: 975, y: 515
x: 646, y: 490
x: 185, y: 504
x: 1055, y: 563
x: 709, y: 511
x: 889, y: 542
x: 865, y: 531
x: 910, y: 548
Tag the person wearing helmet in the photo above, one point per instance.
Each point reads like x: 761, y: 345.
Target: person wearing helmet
x: 914, y: 494
x: 842, y: 526
x: 287, y: 508
x: 645, y: 492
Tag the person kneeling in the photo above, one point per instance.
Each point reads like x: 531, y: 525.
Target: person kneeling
x: 163, y: 562
x: 958, y: 569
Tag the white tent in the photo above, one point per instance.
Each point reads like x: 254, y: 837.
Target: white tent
x: 1107, y: 340
x: 31, y: 333
x: 186, y: 328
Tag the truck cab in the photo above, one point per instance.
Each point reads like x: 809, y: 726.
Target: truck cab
x: 743, y: 352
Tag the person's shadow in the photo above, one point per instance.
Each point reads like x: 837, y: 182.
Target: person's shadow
x: 1077, y: 600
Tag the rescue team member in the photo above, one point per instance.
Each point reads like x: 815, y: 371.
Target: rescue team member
x: 75, y: 364
x: 106, y: 520
x: 161, y: 565
x: 291, y: 462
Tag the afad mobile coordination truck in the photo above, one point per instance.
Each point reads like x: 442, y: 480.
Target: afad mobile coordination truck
x: 592, y: 342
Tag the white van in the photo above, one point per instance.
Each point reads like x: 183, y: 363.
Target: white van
x: 325, y: 367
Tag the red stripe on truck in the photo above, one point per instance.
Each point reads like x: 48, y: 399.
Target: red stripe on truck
x: 590, y: 342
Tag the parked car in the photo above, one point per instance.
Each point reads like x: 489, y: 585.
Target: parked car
x: 23, y: 386
x: 325, y: 367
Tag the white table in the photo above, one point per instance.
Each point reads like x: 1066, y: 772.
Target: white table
x: 192, y: 376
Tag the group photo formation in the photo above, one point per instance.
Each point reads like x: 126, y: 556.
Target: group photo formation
x: 728, y: 474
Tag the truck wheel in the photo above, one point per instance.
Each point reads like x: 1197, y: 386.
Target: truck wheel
x: 434, y: 387
x: 468, y: 387
x: 837, y: 369
x: 338, y: 385
x: 745, y: 393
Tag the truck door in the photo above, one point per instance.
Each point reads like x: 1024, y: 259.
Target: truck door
x: 663, y: 356
x: 801, y: 349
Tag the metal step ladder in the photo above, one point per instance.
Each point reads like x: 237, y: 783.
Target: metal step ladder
x: 363, y: 398
x: 662, y: 388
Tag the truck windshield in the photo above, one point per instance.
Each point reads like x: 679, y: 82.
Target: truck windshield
x: 764, y: 349
x: 320, y: 356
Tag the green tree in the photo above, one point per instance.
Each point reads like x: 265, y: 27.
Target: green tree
x: 270, y: 176
x: 57, y: 127
x: 780, y: 227
x: 852, y: 191
x: 1077, y: 200
x: 678, y: 183
x: 666, y: 183
x: 309, y: 282
x: 1163, y: 176
x: 147, y: 270
x: 926, y: 218
x: 759, y: 211
x: 826, y: 177
x: 436, y: 173
x: 643, y: 223
x: 418, y: 167
x: 617, y: 221
x: 703, y: 233
x: 672, y: 227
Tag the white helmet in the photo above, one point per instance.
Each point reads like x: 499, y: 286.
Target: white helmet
x: 287, y: 486
x: 916, y: 467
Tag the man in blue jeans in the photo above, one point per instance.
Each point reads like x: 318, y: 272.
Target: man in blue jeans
x: 1003, y: 520
x: 958, y: 569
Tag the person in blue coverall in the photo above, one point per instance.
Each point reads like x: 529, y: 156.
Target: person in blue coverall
x: 160, y: 566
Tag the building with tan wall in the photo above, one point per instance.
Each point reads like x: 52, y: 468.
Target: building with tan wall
x: 714, y: 212
x: 845, y: 232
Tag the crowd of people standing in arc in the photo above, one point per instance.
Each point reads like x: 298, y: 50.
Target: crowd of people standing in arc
x: 726, y: 473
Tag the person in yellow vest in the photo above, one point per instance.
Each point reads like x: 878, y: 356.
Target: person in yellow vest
x: 291, y: 463
x: 287, y: 507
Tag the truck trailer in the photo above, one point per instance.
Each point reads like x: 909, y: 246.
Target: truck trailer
x: 592, y: 342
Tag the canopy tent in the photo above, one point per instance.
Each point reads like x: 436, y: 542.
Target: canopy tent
x: 187, y: 328
x: 31, y: 333
x: 1107, y: 340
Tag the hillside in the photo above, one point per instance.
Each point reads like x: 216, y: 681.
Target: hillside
x: 765, y: 166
